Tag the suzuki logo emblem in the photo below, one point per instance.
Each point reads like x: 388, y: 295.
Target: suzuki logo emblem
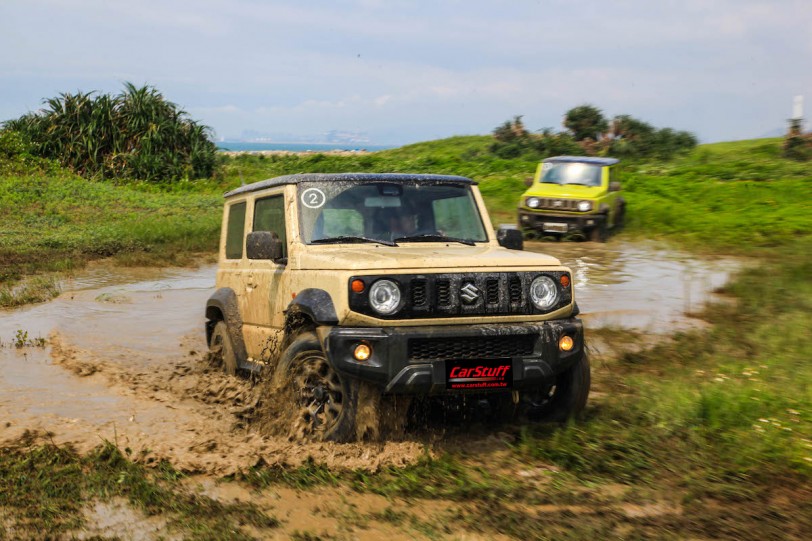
x: 469, y: 293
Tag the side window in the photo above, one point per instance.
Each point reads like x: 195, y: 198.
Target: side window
x: 235, y: 231
x: 269, y: 215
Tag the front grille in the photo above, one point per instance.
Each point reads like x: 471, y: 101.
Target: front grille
x: 547, y: 203
x: 492, y: 291
x: 515, y: 290
x: 419, y: 297
x: 479, y: 347
x: 443, y: 293
x: 469, y: 294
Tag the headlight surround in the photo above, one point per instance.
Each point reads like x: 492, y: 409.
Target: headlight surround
x: 584, y: 206
x: 532, y: 202
x: 384, y: 297
x: 544, y: 292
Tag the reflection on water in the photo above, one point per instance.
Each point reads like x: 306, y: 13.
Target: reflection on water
x: 638, y: 285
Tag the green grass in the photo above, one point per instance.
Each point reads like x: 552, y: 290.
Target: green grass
x: 48, y: 488
x: 728, y: 197
x: 56, y: 223
x: 740, y: 197
x: 717, y: 420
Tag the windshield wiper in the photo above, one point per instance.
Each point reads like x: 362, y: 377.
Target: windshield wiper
x: 351, y: 238
x: 431, y: 237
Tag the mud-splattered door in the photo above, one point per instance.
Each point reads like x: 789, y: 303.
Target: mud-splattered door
x: 261, y: 307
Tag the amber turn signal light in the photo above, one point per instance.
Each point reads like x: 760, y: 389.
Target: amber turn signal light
x: 357, y: 286
x: 362, y: 352
x: 566, y: 343
x: 565, y: 280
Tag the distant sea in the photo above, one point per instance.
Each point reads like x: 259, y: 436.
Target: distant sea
x: 295, y: 147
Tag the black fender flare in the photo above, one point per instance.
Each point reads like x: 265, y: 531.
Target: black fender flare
x: 316, y: 304
x: 223, y: 306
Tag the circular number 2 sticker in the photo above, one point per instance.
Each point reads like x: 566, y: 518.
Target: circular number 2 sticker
x: 313, y: 198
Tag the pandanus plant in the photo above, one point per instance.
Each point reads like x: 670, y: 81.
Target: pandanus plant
x: 136, y: 134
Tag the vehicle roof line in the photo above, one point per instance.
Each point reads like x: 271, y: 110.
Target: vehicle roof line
x: 349, y: 177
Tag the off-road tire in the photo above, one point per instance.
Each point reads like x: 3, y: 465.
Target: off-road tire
x: 598, y: 233
x: 620, y: 216
x: 222, y: 350
x: 505, y: 410
x: 566, y: 399
x: 324, y: 403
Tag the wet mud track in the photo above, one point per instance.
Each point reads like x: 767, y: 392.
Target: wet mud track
x: 124, y: 360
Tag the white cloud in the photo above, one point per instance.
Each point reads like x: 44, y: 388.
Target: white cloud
x: 723, y: 68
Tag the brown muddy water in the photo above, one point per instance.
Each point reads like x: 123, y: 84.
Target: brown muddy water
x: 124, y: 359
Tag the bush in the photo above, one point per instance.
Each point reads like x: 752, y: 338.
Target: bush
x: 588, y: 133
x: 137, y: 134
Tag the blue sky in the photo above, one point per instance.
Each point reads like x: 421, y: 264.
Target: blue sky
x: 406, y: 71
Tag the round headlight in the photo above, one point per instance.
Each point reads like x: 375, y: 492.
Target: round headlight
x: 543, y: 292
x: 384, y: 297
x: 584, y: 206
x: 533, y: 202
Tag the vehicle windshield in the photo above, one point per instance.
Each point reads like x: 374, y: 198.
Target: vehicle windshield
x: 388, y: 212
x: 585, y: 174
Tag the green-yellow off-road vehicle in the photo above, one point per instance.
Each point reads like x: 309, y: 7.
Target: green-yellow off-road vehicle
x: 573, y: 195
x: 395, y: 285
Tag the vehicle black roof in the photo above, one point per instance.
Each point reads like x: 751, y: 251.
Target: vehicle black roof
x: 350, y: 177
x: 583, y: 159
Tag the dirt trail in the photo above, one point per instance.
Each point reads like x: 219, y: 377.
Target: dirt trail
x: 125, y: 360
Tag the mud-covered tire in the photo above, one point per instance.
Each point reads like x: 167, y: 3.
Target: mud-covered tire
x: 598, y: 233
x: 505, y: 410
x: 566, y: 398
x: 324, y: 403
x: 222, y: 350
x: 620, y: 218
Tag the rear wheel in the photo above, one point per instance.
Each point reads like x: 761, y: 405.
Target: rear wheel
x: 323, y: 403
x: 222, y: 350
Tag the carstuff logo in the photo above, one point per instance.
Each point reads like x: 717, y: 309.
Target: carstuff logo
x: 479, y: 375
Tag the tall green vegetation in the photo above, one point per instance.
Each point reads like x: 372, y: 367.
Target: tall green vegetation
x: 797, y: 144
x: 137, y: 134
x: 588, y: 132
x: 585, y: 122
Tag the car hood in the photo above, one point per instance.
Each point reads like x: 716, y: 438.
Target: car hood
x: 410, y: 256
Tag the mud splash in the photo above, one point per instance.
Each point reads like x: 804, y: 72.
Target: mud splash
x: 125, y: 361
x: 134, y: 372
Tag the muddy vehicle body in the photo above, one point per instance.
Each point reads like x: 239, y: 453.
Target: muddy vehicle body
x: 573, y: 196
x: 396, y: 284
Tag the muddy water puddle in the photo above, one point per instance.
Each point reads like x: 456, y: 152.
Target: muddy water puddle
x: 639, y: 285
x: 124, y: 358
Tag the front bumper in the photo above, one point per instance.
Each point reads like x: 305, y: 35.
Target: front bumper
x: 412, y: 360
x: 544, y: 221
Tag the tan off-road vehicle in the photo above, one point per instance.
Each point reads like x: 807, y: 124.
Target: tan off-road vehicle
x: 395, y: 283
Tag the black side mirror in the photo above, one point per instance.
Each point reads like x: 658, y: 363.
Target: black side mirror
x: 510, y: 238
x: 263, y: 245
x: 528, y: 181
x: 614, y: 186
